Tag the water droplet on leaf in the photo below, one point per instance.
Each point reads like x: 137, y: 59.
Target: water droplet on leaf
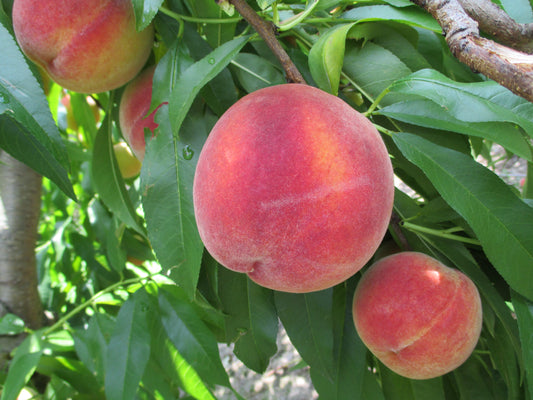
x: 188, y: 152
x: 211, y: 61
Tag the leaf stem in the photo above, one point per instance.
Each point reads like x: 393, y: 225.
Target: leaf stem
x: 187, y: 18
x: 440, y: 233
x: 87, y: 303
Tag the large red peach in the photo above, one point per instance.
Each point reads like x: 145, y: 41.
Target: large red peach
x: 421, y: 318
x: 293, y: 187
x: 133, y: 111
x: 86, y: 47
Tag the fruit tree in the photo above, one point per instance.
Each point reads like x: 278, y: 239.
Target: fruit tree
x: 181, y: 175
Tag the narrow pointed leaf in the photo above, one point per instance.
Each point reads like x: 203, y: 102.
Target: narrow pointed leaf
x: 408, y: 15
x: 108, y: 179
x: 469, y: 102
x: 27, y: 129
x: 192, y: 338
x: 129, y: 349
x: 307, y: 320
x: 145, y: 11
x: 498, y: 217
x: 166, y: 180
x: 326, y: 58
x: 429, y: 114
x: 22, y: 366
x: 197, y: 76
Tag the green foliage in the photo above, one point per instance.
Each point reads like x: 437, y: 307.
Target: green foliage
x: 139, y: 307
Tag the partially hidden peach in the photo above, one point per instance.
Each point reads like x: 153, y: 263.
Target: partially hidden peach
x: 294, y: 188
x: 128, y: 164
x: 419, y: 317
x: 133, y: 111
x: 86, y: 47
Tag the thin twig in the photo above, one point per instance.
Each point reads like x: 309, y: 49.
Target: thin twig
x: 267, y: 31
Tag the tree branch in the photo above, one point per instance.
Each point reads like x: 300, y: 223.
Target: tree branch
x: 267, y: 32
x: 510, y: 68
x: 494, y: 21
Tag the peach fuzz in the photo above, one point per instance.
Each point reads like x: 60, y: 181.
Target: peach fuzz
x: 294, y: 188
x: 86, y: 47
x: 419, y: 317
x: 133, y: 111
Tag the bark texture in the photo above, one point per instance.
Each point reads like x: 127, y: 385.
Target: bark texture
x: 20, y: 203
x: 509, y: 67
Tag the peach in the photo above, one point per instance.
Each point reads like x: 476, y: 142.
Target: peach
x: 419, y: 317
x: 294, y: 188
x: 128, y: 164
x: 133, y: 111
x: 85, y: 47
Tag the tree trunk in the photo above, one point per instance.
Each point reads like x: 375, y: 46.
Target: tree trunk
x: 20, y: 203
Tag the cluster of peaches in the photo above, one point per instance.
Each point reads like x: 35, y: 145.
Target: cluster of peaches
x: 293, y: 187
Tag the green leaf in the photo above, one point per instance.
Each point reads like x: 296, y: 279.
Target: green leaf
x: 166, y: 180
x: 258, y: 344
x: 472, y: 381
x: 10, y: 324
x: 129, y: 347
x: 254, y: 72
x: 396, y: 387
x: 469, y: 102
x: 192, y: 338
x: 519, y: 10
x: 216, y: 34
x: 373, y: 67
x: 91, y: 344
x: 308, y: 321
x: 251, y: 318
x: 27, y: 129
x: 145, y: 11
x: 196, y: 76
x: 108, y: 179
x: 426, y: 113
x: 349, y: 352
x: 263, y: 4
x: 524, y: 314
x: 408, y: 15
x: 498, y: 217
x: 326, y: 58
x: 22, y: 366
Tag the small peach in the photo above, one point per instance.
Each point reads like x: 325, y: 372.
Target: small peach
x: 133, y: 111
x: 419, y: 317
x: 128, y: 164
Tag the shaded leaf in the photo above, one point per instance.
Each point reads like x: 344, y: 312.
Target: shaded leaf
x: 429, y: 114
x: 251, y: 318
x: 192, y: 80
x: 108, y: 180
x: 326, y: 58
x: 27, y: 129
x: 22, y: 366
x: 308, y: 322
x: 166, y: 180
x: 255, y: 72
x: 498, y: 217
x: 128, y: 350
x: 145, y: 11
x: 194, y: 341
x: 470, y: 102
x: 524, y: 313
x: 409, y: 15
